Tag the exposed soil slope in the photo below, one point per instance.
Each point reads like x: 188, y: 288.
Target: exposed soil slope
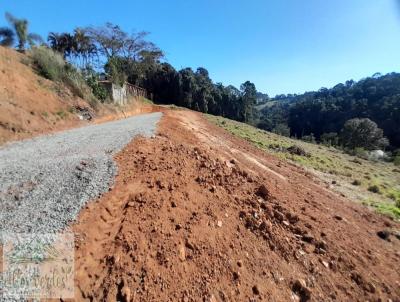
x: 30, y: 104
x: 198, y: 215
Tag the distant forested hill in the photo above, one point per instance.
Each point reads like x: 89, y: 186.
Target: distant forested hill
x: 326, y: 110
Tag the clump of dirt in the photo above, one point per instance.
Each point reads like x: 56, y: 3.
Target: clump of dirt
x: 189, y: 220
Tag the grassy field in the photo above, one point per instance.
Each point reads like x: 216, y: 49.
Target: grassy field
x: 373, y: 183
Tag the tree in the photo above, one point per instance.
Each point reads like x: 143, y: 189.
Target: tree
x: 362, y: 133
x: 20, y: 28
x: 109, y: 39
x: 249, y: 97
x: 77, y: 46
x: 7, y: 37
x: 112, y: 41
x: 63, y: 43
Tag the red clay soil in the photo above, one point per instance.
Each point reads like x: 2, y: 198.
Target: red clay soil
x: 198, y: 215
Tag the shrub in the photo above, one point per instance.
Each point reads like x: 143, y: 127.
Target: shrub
x: 374, y: 189
x: 75, y: 81
x: 330, y: 139
x: 52, y: 66
x: 360, y: 152
x: 396, y: 160
x: 98, y: 90
x: 49, y: 63
x: 297, y: 150
x: 356, y: 182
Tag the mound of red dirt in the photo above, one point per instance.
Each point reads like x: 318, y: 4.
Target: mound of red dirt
x: 198, y: 215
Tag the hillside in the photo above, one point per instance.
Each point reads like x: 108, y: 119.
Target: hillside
x: 326, y: 110
x: 32, y: 105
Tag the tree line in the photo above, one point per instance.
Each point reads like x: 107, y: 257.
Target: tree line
x: 322, y: 114
x: 107, y: 51
x: 110, y: 52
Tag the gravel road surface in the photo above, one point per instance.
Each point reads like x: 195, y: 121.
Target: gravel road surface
x: 45, y: 181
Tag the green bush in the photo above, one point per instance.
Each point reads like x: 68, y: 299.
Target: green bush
x: 49, y: 63
x: 360, y: 152
x: 330, y: 139
x: 74, y: 80
x: 396, y: 160
x: 52, y: 66
x: 98, y: 90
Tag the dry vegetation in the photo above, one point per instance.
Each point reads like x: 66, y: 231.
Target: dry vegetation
x: 373, y: 183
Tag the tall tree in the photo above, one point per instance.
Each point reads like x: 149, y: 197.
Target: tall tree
x: 20, y: 27
x: 249, y: 96
x: 63, y: 43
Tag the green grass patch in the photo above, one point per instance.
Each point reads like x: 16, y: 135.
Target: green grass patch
x: 384, y: 208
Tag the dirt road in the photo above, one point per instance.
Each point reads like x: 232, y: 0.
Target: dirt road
x: 198, y: 215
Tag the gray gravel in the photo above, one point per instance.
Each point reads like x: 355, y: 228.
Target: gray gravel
x: 45, y: 181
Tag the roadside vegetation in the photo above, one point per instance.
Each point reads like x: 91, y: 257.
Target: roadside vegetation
x: 373, y: 183
x: 355, y: 116
x: 88, y: 54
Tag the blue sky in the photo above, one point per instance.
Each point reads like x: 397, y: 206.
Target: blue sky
x: 283, y: 46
